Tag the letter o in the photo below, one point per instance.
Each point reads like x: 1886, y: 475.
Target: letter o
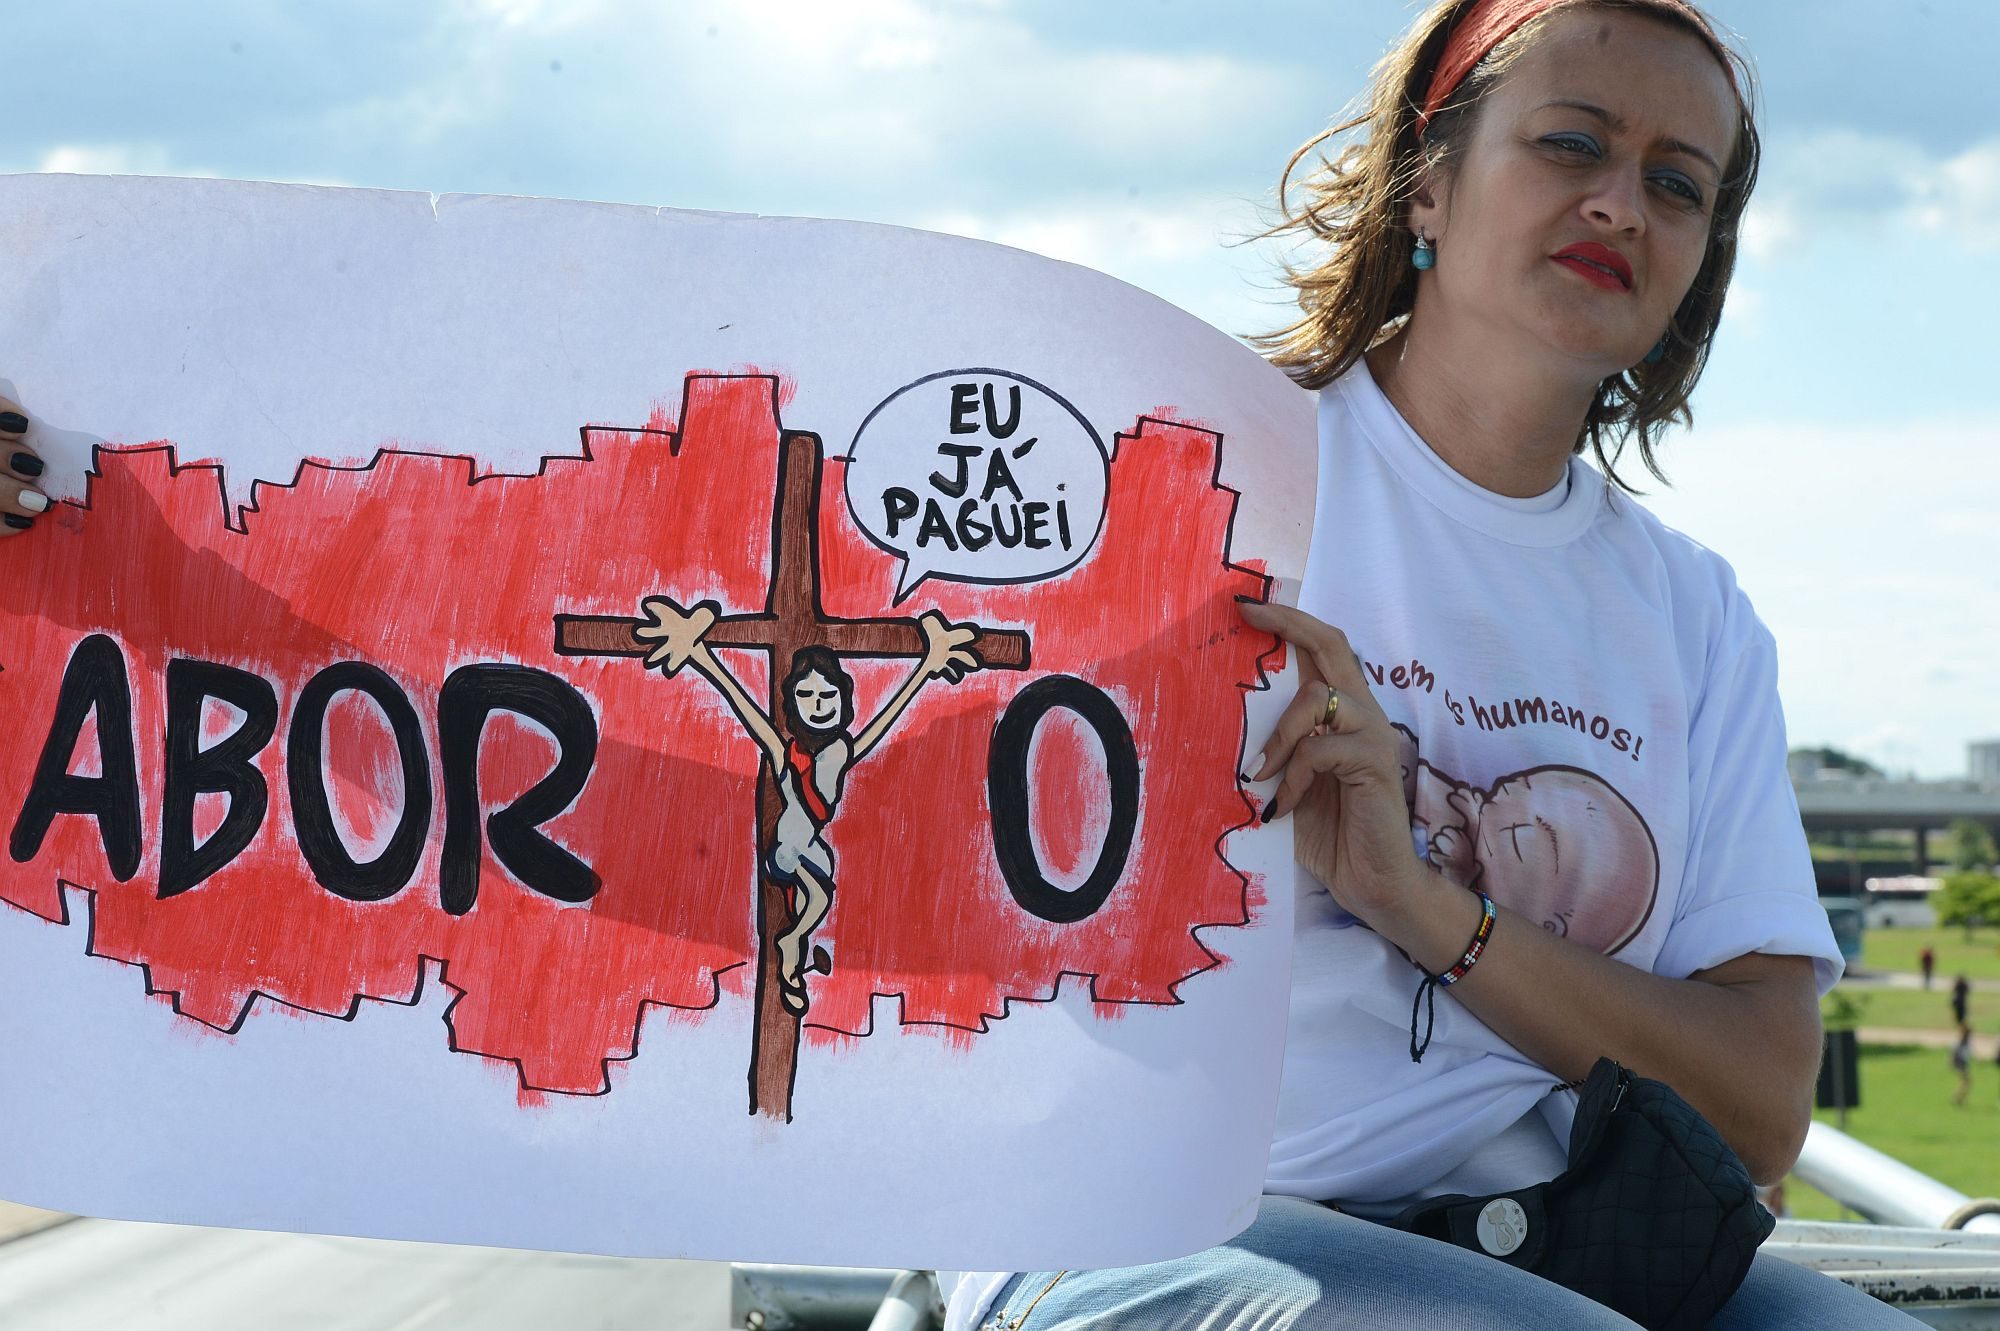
x: 312, y: 811
x: 1009, y: 805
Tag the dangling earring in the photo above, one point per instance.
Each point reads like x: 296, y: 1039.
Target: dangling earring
x: 1659, y: 351
x: 1424, y: 256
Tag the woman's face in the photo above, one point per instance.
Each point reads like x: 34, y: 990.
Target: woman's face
x: 1577, y: 214
x: 817, y: 700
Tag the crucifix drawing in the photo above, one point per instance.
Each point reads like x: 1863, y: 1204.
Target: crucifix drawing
x: 803, y: 732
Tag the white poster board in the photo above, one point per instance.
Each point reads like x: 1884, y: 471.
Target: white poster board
x: 586, y: 727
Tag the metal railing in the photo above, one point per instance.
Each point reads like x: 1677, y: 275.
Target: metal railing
x: 1884, y: 1189
x: 1928, y: 1249
x: 823, y: 1298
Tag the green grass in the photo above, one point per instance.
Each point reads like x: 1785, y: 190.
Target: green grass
x: 1896, y: 950
x: 1906, y: 1111
x: 1914, y: 1009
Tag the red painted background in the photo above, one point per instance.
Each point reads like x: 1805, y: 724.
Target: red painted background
x: 419, y: 564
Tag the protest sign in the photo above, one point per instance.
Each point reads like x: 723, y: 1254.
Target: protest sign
x: 609, y: 729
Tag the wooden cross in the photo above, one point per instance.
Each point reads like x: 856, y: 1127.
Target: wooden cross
x: 791, y: 619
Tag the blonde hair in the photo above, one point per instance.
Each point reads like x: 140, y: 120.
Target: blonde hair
x: 1353, y: 208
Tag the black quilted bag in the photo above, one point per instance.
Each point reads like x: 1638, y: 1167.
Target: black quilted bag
x: 1655, y: 1217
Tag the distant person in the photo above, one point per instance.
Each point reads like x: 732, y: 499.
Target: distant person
x: 1961, y: 1063
x: 1961, y: 993
x: 1927, y: 962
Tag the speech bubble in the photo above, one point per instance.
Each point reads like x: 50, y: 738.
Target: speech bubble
x: 978, y: 475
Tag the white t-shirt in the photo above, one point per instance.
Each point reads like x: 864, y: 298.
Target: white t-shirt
x: 1591, y: 732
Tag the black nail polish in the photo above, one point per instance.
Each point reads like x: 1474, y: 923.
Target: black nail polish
x: 19, y: 523
x: 1269, y: 809
x: 13, y: 422
x: 27, y: 464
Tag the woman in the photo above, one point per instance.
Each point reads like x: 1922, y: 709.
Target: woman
x: 1550, y: 192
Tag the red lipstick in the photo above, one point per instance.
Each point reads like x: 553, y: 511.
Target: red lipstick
x: 1599, y: 264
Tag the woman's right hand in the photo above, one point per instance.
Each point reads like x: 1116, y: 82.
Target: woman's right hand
x: 21, y: 496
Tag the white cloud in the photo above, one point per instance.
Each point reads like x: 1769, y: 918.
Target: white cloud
x: 141, y: 159
x: 1747, y: 306
x: 1137, y: 101
x: 891, y: 91
x: 1869, y: 550
x: 1172, y: 247
x: 1960, y: 197
x: 113, y: 159
x: 872, y: 87
x: 886, y: 53
x: 542, y: 14
x: 1106, y: 235
x: 1879, y: 183
x: 1769, y: 227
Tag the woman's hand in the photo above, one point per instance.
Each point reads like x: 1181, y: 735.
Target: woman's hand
x: 21, y: 497
x: 1344, y: 780
x: 1739, y: 1040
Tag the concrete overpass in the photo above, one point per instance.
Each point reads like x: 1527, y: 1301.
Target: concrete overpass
x: 1919, y: 807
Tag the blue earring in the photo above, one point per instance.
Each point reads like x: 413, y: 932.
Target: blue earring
x: 1659, y: 351
x: 1424, y: 256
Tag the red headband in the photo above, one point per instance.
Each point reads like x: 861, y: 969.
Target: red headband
x: 1491, y: 22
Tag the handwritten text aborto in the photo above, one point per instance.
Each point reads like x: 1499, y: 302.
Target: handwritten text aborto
x: 606, y: 729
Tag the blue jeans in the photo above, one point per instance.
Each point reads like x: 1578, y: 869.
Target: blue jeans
x: 1303, y: 1267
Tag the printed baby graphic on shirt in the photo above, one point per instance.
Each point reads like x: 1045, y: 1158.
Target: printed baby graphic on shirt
x: 1557, y: 843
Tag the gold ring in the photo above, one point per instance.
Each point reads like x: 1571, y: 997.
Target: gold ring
x: 1332, y: 707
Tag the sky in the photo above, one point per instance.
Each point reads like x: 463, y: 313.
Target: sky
x: 1846, y: 451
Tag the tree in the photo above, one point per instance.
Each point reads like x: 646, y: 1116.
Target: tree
x: 1970, y: 846
x: 1968, y: 899
x: 1839, y: 760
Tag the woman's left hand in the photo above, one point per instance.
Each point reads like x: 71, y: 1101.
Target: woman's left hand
x: 1740, y: 1039
x: 1345, y: 780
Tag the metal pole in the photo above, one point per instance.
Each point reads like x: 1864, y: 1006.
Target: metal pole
x: 911, y: 1304
x: 1840, y: 1081
x: 1885, y: 1189
x: 823, y: 1298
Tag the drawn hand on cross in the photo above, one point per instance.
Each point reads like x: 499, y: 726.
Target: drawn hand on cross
x: 945, y: 654
x: 678, y: 632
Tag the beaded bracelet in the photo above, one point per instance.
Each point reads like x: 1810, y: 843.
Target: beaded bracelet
x: 1430, y: 984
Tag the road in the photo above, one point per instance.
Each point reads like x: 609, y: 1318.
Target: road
x: 1983, y: 1046
x: 119, y: 1276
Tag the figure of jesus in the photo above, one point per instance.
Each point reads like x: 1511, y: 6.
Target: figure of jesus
x: 810, y: 761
